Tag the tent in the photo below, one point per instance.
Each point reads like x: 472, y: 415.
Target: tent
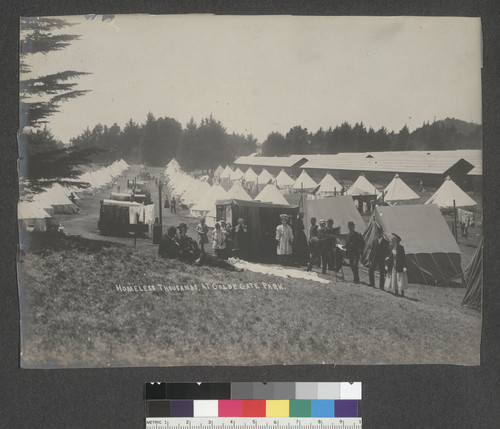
x: 329, y: 186
x: 261, y: 219
x: 206, y: 205
x: 283, y: 180
x: 236, y: 175
x: 264, y: 177
x: 362, y: 187
x: 195, y: 191
x: 250, y: 176
x: 271, y: 194
x: 237, y: 192
x: 218, y: 171
x: 448, y: 192
x: 474, y: 280
x: 31, y: 216
x: 341, y: 209
x: 226, y: 174
x: 399, y: 192
x: 432, y: 254
x: 304, y: 182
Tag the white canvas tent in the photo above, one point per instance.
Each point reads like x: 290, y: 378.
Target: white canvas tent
x: 305, y: 182
x: 236, y: 175
x: 283, y: 180
x: 238, y: 193
x: 265, y: 177
x: 250, y: 176
x: 362, y: 187
x: 207, y: 201
x: 398, y: 192
x: 218, y: 171
x: 328, y: 186
x: 271, y: 194
x: 31, y: 216
x: 448, y: 192
x: 226, y: 174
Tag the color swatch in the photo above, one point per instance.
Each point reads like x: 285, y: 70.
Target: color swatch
x: 274, y: 400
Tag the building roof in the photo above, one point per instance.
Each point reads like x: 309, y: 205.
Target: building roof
x: 270, y: 161
x: 426, y: 162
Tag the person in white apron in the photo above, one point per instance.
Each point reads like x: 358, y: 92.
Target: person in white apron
x: 284, y: 241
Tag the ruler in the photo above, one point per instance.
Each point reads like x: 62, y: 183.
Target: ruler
x: 253, y: 423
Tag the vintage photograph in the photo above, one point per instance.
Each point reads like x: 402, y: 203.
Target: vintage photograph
x: 249, y: 190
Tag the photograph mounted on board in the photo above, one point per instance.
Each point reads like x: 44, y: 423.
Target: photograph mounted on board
x: 249, y: 190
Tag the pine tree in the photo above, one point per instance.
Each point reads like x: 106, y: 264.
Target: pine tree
x: 43, y: 162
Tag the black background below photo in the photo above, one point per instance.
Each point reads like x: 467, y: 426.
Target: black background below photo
x: 393, y: 396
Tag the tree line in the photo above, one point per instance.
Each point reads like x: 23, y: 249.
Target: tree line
x: 447, y: 134
x: 155, y: 142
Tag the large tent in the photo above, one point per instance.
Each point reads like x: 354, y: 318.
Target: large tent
x: 304, y: 182
x: 238, y: 192
x: 398, y: 192
x: 474, y: 280
x: 328, y: 186
x: 448, y: 193
x: 362, y: 187
x: 261, y: 219
x: 271, y: 194
x: 432, y: 254
x: 341, y: 209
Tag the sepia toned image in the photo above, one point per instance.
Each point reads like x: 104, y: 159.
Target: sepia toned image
x: 249, y: 190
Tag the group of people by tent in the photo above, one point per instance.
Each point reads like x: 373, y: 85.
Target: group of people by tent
x: 426, y: 251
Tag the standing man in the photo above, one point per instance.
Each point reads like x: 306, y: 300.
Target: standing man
x: 313, y: 238
x: 378, y: 253
x: 172, y: 205
x: 354, y: 248
x: 240, y: 239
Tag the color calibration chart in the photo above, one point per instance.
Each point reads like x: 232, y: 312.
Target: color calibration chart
x: 244, y: 405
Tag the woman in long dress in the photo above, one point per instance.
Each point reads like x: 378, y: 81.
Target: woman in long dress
x: 396, y: 266
x: 202, y: 230
x: 219, y: 241
x: 284, y: 241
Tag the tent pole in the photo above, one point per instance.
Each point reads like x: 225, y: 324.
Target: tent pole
x: 159, y: 203
x: 455, y: 220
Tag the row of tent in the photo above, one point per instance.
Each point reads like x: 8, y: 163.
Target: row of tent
x: 396, y: 192
x: 200, y: 197
x: 34, y: 209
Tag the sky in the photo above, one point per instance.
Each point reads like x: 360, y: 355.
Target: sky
x: 258, y: 74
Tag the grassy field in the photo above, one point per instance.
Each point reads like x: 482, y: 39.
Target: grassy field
x: 75, y: 316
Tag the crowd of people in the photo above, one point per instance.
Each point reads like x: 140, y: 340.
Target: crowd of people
x: 325, y: 249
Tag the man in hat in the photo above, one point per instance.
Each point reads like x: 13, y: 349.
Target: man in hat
x: 284, y: 240
x: 189, y: 251
x: 378, y: 252
x: 173, y: 204
x: 240, y: 239
x: 313, y: 240
x: 169, y: 248
x: 323, y: 247
x: 354, y: 247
